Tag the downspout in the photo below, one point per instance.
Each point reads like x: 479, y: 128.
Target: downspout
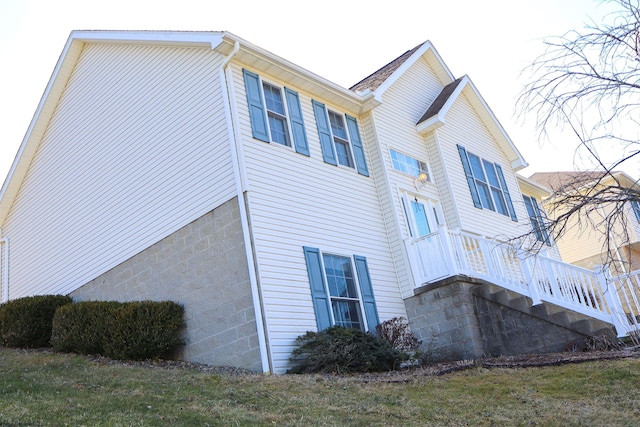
x: 255, y: 293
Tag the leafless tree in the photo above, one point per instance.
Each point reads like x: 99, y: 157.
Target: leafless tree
x: 588, y: 82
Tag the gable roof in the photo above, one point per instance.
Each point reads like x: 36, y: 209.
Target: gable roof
x: 374, y: 80
x: 436, y: 114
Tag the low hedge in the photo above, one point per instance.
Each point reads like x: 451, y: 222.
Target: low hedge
x: 82, y: 327
x: 27, y: 322
x: 131, y: 330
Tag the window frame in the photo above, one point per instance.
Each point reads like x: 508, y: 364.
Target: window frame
x: 483, y: 189
x: 410, y: 169
x: 363, y: 326
x: 275, y: 114
x: 344, y: 141
x: 536, y: 218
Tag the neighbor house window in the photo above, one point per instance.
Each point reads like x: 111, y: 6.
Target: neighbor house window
x: 341, y: 290
x: 487, y: 184
x: 536, y: 218
x: 409, y: 165
x: 340, y: 139
x: 275, y: 113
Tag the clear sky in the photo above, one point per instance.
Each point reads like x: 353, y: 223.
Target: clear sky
x: 343, y: 41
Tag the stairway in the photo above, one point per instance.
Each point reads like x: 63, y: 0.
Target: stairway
x: 510, y: 323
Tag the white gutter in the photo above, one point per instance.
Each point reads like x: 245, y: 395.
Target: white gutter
x: 233, y: 138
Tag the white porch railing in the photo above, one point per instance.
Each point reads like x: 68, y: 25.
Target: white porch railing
x: 446, y: 253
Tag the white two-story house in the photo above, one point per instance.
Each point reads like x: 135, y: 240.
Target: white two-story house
x: 200, y: 168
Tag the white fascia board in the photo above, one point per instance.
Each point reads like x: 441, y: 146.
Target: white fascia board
x: 426, y: 46
x: 496, y: 128
x: 262, y: 60
x: 166, y: 38
x: 528, y: 186
x: 439, y: 119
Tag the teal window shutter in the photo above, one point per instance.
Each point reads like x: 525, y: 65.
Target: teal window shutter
x: 366, y: 291
x: 326, y: 142
x: 257, y: 112
x: 541, y: 221
x: 297, y: 122
x: 321, y: 302
x: 507, y: 196
x: 356, y: 143
x: 636, y: 209
x: 470, y: 180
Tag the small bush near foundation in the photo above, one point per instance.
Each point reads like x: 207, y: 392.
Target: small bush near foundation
x: 26, y: 322
x: 82, y: 327
x: 397, y: 332
x: 144, y: 330
x: 342, y: 350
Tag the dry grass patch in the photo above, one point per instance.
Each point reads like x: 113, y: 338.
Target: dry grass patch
x: 47, y: 389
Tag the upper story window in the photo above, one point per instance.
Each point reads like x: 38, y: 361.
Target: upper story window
x: 409, y: 165
x: 275, y: 113
x: 487, y: 184
x: 537, y: 220
x: 340, y: 139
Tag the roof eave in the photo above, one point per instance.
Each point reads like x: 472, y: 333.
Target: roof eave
x: 264, y: 61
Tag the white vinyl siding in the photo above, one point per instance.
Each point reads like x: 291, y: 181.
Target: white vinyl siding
x: 395, y: 127
x: 298, y: 201
x: 464, y: 127
x: 136, y: 149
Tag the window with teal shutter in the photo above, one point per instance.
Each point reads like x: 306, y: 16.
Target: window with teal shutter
x: 275, y: 117
x: 334, y: 290
x: 340, y: 139
x: 256, y: 106
x: 487, y: 184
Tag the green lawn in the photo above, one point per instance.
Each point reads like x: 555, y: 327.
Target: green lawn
x: 45, y: 389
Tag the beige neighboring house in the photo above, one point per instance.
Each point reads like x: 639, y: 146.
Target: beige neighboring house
x: 584, y: 243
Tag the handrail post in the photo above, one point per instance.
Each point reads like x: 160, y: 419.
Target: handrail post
x: 448, y: 249
x: 613, y: 301
x: 527, y: 272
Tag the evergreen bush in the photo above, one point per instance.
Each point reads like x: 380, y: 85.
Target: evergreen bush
x: 342, y: 350
x: 82, y: 327
x: 144, y: 330
x: 27, y: 322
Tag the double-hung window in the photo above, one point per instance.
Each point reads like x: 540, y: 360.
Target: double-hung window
x: 341, y: 290
x: 340, y: 140
x: 487, y: 184
x: 275, y: 113
x: 537, y: 220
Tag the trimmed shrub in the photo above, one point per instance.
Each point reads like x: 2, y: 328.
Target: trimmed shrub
x: 342, y: 350
x: 82, y: 327
x: 27, y: 322
x: 144, y: 330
